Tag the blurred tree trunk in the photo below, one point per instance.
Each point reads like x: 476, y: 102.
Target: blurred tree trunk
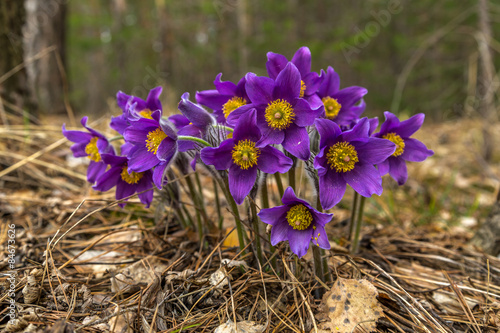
x: 243, y: 29
x: 45, y: 27
x: 14, y: 88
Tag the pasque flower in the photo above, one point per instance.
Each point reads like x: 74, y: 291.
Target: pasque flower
x: 309, y: 82
x: 155, y: 145
x: 198, y: 122
x: 243, y: 158
x: 135, y: 108
x: 127, y: 183
x: 343, y: 106
x: 297, y: 222
x: 407, y: 149
x: 91, y: 144
x: 226, y: 98
x: 349, y: 158
x: 281, y: 114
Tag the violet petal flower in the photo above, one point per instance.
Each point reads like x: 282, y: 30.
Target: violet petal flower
x: 91, y: 144
x: 297, y: 222
x: 280, y: 111
x: 243, y: 158
x: 126, y: 183
x: 343, y: 106
x: 348, y: 158
x: 226, y: 98
x: 155, y: 142
x: 408, y: 149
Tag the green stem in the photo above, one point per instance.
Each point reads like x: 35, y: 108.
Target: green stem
x: 291, y: 177
x: 217, y: 203
x: 236, y: 213
x: 194, y: 198
x: 255, y: 222
x: 201, y: 202
x: 119, y: 137
x: 359, y: 223
x: 318, y: 270
x: 194, y: 139
x: 354, y: 209
x: 279, y: 183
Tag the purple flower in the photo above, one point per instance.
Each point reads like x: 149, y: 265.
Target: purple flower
x: 198, y: 122
x: 297, y: 222
x: 127, y: 183
x: 91, y: 144
x: 135, y: 108
x: 226, y: 98
x: 407, y: 149
x: 242, y: 157
x: 348, y: 158
x: 155, y: 145
x: 309, y: 82
x: 342, y: 106
x: 281, y: 115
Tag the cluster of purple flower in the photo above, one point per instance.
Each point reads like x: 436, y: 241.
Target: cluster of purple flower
x: 259, y: 124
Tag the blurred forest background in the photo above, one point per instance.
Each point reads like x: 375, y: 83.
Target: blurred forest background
x: 437, y: 57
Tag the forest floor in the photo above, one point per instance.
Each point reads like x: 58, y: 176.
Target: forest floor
x: 83, y: 263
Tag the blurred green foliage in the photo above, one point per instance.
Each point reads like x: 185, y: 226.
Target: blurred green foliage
x: 133, y: 45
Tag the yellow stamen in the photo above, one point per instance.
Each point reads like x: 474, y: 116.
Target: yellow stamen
x: 400, y: 143
x: 146, y: 113
x: 302, y: 88
x: 279, y: 114
x: 232, y: 105
x: 92, y: 150
x: 154, y: 139
x: 131, y: 178
x: 245, y: 155
x: 332, y: 107
x: 342, y: 157
x: 299, y: 217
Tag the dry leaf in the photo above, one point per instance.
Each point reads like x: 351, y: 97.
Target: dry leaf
x: 241, y: 327
x: 350, y: 304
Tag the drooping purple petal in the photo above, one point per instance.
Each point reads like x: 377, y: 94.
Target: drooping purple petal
x: 364, y: 179
x: 140, y: 159
x: 397, y: 170
x: 272, y: 160
x: 124, y: 190
x: 179, y: 120
x: 383, y: 168
x: 321, y: 218
x: 296, y: 142
x: 166, y: 149
x: 195, y: 113
x: 95, y: 170
x: 320, y: 238
x: 299, y: 241
x: 76, y: 136
x: 220, y: 157
x: 279, y: 232
x: 270, y: 137
x: 144, y: 184
x: 304, y: 115
x: 289, y: 198
x: 211, y: 98
x: 241, y: 182
x: 158, y: 174
x: 332, y: 188
x: 108, y: 179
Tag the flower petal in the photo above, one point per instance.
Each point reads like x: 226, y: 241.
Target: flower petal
x: 220, y: 157
x: 391, y: 122
x: 195, y: 113
x: 270, y: 137
x: 153, y: 100
x: 328, y: 130
x: 279, y: 232
x: 76, y: 136
x: 273, y: 216
x: 331, y: 189
x: 383, y: 168
x: 166, y: 149
x: 415, y: 151
x: 364, y: 179
x: 247, y: 127
x: 374, y: 151
x: 275, y: 64
x: 409, y: 126
x: 397, y: 170
x: 304, y: 115
x: 140, y: 159
x: 108, y: 179
x: 358, y: 132
x: 241, y: 182
x: 299, y: 240
x: 287, y: 85
x: 302, y: 60
x: 158, y: 175
x: 259, y: 89
x: 349, y: 96
x: 320, y: 238
x: 144, y: 184
x: 330, y: 84
x: 321, y: 218
x: 94, y: 170
x: 272, y: 160
x: 296, y: 142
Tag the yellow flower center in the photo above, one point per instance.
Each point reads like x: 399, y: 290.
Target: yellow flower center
x: 332, y: 107
x: 146, y: 113
x: 92, y: 150
x: 154, y: 139
x: 279, y: 114
x: 400, y: 143
x: 299, y: 217
x: 232, y: 105
x: 245, y: 155
x: 130, y: 178
x: 342, y: 156
x: 302, y: 88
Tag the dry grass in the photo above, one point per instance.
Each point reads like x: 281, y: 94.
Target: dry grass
x: 90, y: 265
